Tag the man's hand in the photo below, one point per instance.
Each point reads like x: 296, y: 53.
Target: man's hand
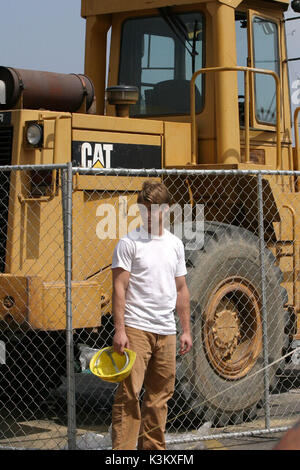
x: 120, y: 342
x: 186, y: 343
x: 183, y: 310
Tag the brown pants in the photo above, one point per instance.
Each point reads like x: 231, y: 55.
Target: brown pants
x: 154, y: 366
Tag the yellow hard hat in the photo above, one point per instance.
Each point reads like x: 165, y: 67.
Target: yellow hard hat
x: 112, y: 366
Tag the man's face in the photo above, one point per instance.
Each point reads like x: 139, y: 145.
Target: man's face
x: 152, y: 217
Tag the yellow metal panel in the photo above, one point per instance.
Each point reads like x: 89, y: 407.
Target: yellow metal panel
x: 42, y: 305
x: 36, y: 316
x: 35, y: 238
x: 93, y: 240
x: 47, y: 302
x: 86, y: 306
x: 94, y: 7
x: 52, y: 124
x: 116, y: 124
x: 108, y: 183
x: 87, y: 242
x: 16, y: 288
x: 62, y: 135
x: 49, y: 129
x: 177, y: 143
x: 116, y: 137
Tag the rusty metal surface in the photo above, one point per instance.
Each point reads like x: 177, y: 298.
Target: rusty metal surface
x: 34, y: 89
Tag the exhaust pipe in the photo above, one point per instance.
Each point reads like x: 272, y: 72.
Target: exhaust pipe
x: 32, y: 89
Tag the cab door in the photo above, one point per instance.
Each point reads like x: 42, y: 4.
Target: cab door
x: 265, y: 53
x: 258, y: 46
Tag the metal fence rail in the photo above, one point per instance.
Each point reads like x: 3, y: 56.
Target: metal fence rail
x: 59, y: 227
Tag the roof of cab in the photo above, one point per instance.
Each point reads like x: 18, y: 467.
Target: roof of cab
x: 101, y: 7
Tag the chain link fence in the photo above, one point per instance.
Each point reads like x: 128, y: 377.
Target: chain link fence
x: 59, y: 227
x: 33, y: 312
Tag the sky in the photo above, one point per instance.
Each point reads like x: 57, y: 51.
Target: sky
x: 293, y: 41
x: 42, y: 35
x: 49, y: 35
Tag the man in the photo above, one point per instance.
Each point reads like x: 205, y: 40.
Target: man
x: 290, y: 440
x: 148, y: 284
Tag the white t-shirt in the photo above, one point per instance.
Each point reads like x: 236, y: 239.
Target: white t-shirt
x: 153, y: 263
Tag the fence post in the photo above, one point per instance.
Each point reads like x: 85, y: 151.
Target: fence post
x: 67, y: 189
x: 263, y: 290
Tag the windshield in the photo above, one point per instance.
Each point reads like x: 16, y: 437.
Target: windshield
x: 160, y: 58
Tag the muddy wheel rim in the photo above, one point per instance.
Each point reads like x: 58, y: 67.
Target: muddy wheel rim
x: 232, y: 332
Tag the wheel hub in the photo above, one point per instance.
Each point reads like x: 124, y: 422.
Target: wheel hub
x: 226, y: 332
x: 232, y: 332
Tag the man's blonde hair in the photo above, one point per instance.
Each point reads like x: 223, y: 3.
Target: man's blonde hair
x: 154, y: 192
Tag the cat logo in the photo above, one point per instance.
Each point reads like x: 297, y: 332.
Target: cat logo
x: 95, y: 155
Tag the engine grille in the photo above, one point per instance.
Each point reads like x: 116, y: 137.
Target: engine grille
x: 6, y: 138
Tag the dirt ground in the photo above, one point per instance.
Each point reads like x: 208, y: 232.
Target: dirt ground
x: 46, y: 427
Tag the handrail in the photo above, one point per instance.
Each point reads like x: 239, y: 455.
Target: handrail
x: 246, y: 70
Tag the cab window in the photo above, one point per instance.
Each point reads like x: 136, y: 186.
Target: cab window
x: 160, y: 58
x: 266, y: 56
x: 241, y: 55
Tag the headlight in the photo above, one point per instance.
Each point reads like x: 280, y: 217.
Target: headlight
x: 34, y: 135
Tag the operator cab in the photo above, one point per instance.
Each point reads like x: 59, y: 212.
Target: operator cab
x: 158, y: 49
x: 159, y: 55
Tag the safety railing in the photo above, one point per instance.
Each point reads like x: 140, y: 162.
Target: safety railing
x: 247, y: 71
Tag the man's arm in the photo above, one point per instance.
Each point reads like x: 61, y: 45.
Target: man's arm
x: 120, y: 284
x: 183, y: 310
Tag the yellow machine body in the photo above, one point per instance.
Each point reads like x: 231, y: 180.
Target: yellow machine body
x: 210, y: 138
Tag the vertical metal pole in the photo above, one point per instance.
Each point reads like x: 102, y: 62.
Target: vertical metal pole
x: 247, y: 117
x: 263, y: 290
x: 67, y: 227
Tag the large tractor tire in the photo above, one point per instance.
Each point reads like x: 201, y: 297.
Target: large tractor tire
x: 224, y: 280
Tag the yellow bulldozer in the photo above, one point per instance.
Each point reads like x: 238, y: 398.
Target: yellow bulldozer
x: 191, y: 85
